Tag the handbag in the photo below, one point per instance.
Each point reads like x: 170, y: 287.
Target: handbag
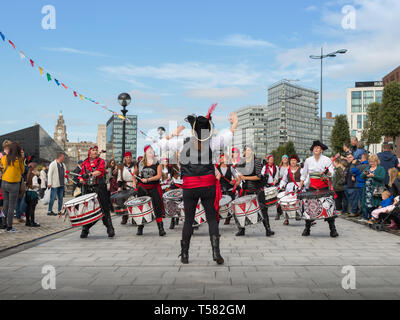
x: 22, y: 189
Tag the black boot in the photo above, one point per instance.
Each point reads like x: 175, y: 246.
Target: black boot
x: 306, y: 231
x: 268, y: 231
x: 278, y: 213
x: 161, y: 231
x: 172, y: 225
x: 84, y: 233
x: 332, y: 227
x: 177, y: 221
x: 140, y: 230
x: 3, y: 224
x: 33, y: 223
x: 215, y: 249
x: 124, y: 219
x: 109, y: 226
x: 241, y: 232
x: 184, y: 251
x: 27, y: 219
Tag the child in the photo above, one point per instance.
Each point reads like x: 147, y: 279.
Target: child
x: 32, y: 195
x: 386, y: 206
x: 2, y: 216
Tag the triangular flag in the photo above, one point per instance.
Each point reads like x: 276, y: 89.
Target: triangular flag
x: 141, y: 207
x: 64, y: 85
x: 81, y: 97
x: 56, y: 81
x: 41, y: 70
x: 12, y: 44
x: 121, y: 117
x: 48, y: 77
x: 2, y: 36
x: 242, y: 206
x: 21, y: 54
x: 32, y: 63
x: 75, y: 94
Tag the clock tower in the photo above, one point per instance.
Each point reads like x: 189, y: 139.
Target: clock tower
x: 60, y: 134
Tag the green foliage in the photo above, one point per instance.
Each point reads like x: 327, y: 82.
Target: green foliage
x: 390, y: 115
x: 373, y: 132
x: 340, y: 133
x: 287, y: 149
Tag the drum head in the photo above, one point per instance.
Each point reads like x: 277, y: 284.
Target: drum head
x: 281, y: 195
x: 244, y: 199
x: 174, y: 195
x: 81, y: 199
x: 137, y: 201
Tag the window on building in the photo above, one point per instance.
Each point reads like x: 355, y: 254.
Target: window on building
x: 368, y: 99
x: 356, y: 100
x: 359, y: 121
x: 378, y: 94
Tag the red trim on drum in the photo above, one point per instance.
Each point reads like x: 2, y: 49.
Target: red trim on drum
x: 247, y: 213
x: 85, y: 214
x: 87, y: 222
x: 144, y: 214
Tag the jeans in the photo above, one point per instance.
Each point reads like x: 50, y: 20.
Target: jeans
x: 359, y: 199
x: 352, y: 194
x: 367, y: 213
x: 59, y: 193
x: 10, y: 195
x: 20, y: 207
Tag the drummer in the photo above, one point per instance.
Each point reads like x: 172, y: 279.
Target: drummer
x: 149, y: 172
x: 126, y: 178
x: 291, y: 178
x: 250, y: 174
x: 320, y: 170
x: 93, y: 169
x: 227, y: 179
x: 176, y: 183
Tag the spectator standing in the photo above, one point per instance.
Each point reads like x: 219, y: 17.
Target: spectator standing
x: 387, y: 160
x: 350, y: 186
x: 374, y: 177
x: 12, y: 168
x: 43, y: 179
x: 56, y: 181
x: 32, y: 196
x: 346, y: 151
x: 353, y: 144
x: 356, y: 171
x: 394, y: 182
x: 75, y: 179
x: 360, y: 151
x: 20, y: 208
x: 338, y: 183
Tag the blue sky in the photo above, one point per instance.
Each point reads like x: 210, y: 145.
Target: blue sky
x: 179, y: 57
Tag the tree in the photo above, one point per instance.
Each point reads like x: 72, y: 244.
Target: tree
x: 340, y: 133
x: 390, y: 114
x: 288, y: 149
x: 372, y: 133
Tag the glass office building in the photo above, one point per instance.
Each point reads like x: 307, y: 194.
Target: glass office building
x: 358, y: 99
x: 114, y: 137
x: 292, y: 116
x: 252, y: 129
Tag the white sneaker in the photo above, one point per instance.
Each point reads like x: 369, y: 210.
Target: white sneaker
x: 12, y: 230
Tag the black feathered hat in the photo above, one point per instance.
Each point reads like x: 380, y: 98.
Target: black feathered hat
x: 318, y: 144
x: 202, y: 126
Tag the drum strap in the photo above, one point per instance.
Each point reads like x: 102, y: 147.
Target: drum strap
x: 291, y: 177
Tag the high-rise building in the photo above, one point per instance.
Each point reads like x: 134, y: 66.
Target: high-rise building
x: 114, y: 137
x: 292, y: 116
x: 252, y: 129
x: 101, y: 138
x: 358, y: 99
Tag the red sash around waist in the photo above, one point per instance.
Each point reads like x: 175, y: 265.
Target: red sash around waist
x: 199, y: 181
x: 318, y: 184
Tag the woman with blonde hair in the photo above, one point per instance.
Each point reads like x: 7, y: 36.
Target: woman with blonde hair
x: 394, y: 182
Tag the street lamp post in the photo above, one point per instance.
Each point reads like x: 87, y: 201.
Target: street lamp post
x: 321, y: 57
x: 124, y: 100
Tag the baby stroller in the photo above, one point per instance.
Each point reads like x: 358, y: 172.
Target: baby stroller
x: 385, y: 218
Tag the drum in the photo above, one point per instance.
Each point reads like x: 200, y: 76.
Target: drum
x: 247, y: 211
x: 140, y: 210
x: 172, y: 199
x: 199, y: 217
x: 318, y: 205
x: 83, y: 210
x: 119, y: 199
x: 290, y: 205
x: 271, y: 196
x: 225, y: 207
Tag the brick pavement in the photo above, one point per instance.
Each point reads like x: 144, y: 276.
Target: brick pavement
x: 286, y: 266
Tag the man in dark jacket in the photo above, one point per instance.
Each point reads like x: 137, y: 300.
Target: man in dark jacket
x: 388, y: 160
x: 351, y: 185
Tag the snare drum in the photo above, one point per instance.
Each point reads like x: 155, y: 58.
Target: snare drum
x: 83, y: 210
x: 271, y: 196
x: 172, y: 199
x: 290, y: 206
x: 247, y: 211
x: 199, y: 217
x: 225, y: 207
x: 141, y: 210
x: 318, y: 205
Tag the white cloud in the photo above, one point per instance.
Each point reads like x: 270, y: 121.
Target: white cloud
x: 76, y: 51
x: 311, y: 8
x: 237, y: 40
x: 217, y: 93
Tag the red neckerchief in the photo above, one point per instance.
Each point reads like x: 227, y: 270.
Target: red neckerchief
x: 273, y: 171
x: 291, y: 176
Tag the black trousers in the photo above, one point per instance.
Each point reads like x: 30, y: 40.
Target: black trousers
x: 191, y: 198
x: 155, y: 198
x: 104, y: 200
x: 339, y: 200
x: 30, y: 209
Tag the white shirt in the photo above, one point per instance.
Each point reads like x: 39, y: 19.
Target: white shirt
x: 290, y: 187
x: 313, y: 166
x: 43, y: 179
x: 127, y: 175
x: 270, y: 173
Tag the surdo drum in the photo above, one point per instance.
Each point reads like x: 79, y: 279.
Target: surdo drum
x: 172, y: 199
x: 83, y: 210
x: 247, y: 211
x: 141, y: 210
x: 291, y: 206
x: 271, y: 196
x: 199, y: 217
x: 318, y: 205
x: 225, y: 207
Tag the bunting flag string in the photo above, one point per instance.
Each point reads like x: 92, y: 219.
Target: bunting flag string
x: 58, y: 83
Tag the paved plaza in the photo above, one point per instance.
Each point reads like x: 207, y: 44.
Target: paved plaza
x: 286, y: 266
